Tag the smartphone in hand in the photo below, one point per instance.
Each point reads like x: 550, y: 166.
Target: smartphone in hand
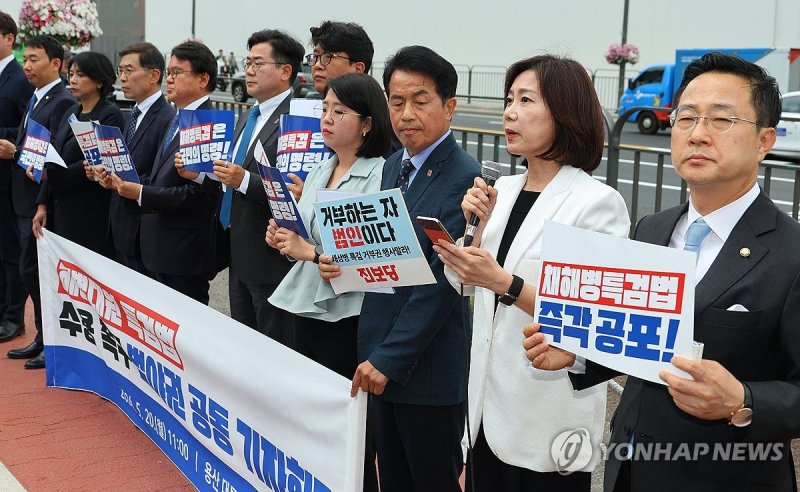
x: 434, y: 229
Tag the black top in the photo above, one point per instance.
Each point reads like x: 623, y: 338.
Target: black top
x: 519, y: 211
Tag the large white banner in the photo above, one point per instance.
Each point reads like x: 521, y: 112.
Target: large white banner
x: 234, y: 410
x: 624, y: 304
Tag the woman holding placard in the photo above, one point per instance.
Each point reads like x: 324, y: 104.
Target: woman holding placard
x: 354, y: 120
x: 553, y: 119
x: 79, y: 207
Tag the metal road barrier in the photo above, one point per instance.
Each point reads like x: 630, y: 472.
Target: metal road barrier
x: 643, y: 175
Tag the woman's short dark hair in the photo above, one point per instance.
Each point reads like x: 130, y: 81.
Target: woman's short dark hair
x: 200, y: 58
x: 569, y: 94
x: 97, y: 67
x: 361, y: 93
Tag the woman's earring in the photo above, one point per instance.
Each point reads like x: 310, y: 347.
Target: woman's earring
x: 364, y: 134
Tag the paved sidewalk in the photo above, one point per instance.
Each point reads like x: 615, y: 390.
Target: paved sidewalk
x: 54, y: 439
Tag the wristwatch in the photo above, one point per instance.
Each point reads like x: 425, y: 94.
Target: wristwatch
x: 743, y: 416
x: 513, y: 292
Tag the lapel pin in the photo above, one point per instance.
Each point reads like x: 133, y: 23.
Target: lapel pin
x: 430, y: 172
x: 744, y: 252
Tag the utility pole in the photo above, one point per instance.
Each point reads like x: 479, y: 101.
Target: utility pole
x: 621, y: 86
x: 193, y: 9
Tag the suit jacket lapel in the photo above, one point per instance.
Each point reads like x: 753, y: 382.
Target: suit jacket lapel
x: 6, y: 73
x: 429, y: 171
x: 163, y: 158
x: 149, y: 117
x: 270, y: 127
x: 46, y: 99
x: 729, y: 265
x: 546, y: 206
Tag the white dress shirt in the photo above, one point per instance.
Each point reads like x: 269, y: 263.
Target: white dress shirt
x: 266, y: 109
x: 721, y: 221
x: 145, y: 105
x: 419, y: 159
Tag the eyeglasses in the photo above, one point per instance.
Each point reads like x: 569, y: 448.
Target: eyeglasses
x: 685, y: 120
x: 336, y: 113
x: 127, y: 71
x: 257, y: 64
x: 175, y: 72
x: 324, y: 59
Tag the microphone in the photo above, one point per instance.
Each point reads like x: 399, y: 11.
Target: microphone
x: 490, y: 171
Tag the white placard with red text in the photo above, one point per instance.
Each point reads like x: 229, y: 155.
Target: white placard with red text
x: 623, y: 304
x: 233, y: 409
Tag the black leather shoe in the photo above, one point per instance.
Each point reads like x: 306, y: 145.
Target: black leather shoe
x: 32, y: 350
x: 36, y: 363
x: 10, y: 330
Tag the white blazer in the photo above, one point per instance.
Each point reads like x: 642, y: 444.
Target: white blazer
x: 522, y: 408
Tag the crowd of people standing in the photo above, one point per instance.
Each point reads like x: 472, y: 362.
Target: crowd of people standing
x: 437, y: 368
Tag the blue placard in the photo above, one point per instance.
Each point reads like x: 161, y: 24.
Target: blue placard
x: 34, y: 149
x: 281, y: 201
x: 300, y: 146
x: 205, y: 136
x: 114, y: 152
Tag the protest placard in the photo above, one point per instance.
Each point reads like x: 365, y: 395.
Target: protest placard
x: 300, y: 146
x: 36, y: 150
x: 114, y: 152
x: 206, y: 135
x: 87, y: 140
x: 281, y: 201
x: 371, y: 239
x: 624, y: 304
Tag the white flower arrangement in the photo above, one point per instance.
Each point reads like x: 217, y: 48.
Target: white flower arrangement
x: 71, y: 22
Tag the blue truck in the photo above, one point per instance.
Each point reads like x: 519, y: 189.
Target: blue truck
x: 656, y: 84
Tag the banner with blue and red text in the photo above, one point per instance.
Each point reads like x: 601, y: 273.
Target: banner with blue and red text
x: 623, y: 304
x: 233, y: 409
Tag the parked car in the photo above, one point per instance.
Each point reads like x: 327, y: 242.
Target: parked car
x: 118, y: 97
x: 303, y: 85
x: 787, y: 145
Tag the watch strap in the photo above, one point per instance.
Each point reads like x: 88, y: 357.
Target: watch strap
x: 513, y: 292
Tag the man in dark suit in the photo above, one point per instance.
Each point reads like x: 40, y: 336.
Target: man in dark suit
x: 178, y: 227
x: 413, y: 344
x: 41, y: 64
x: 15, y: 91
x: 745, y: 392
x: 271, y: 66
x: 140, y: 70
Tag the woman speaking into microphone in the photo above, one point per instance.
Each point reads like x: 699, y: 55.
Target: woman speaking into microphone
x: 553, y: 119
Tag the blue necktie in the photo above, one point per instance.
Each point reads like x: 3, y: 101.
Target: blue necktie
x: 31, y: 105
x: 405, y: 172
x: 241, y: 153
x: 173, y: 129
x: 131, y: 129
x: 695, y: 235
